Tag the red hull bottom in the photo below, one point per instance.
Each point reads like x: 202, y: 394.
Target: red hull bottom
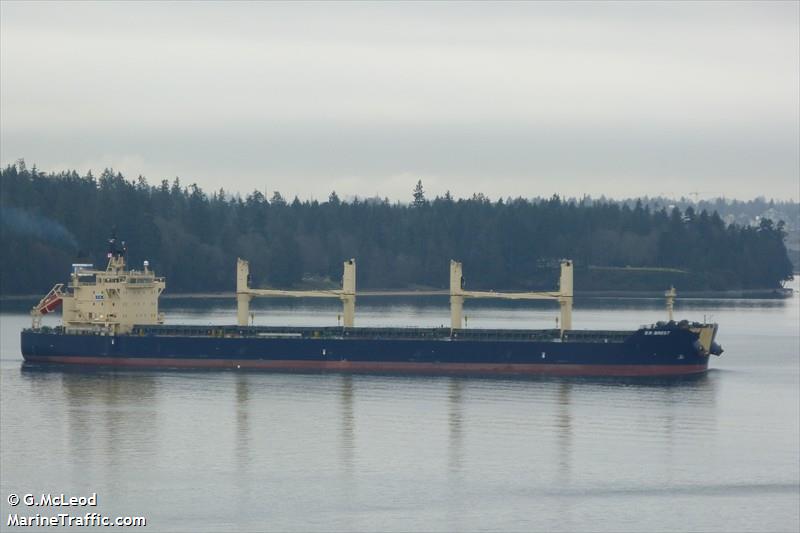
x: 375, y: 367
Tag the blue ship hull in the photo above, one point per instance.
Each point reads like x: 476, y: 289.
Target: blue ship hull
x: 657, y: 351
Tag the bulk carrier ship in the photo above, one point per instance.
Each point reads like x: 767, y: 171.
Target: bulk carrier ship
x: 111, y: 318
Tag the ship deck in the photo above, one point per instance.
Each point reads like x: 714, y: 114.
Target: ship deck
x: 373, y: 333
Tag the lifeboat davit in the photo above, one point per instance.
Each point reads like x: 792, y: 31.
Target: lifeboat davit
x: 50, y: 303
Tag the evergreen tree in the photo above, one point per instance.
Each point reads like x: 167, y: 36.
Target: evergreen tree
x: 277, y: 199
x: 48, y: 221
x: 419, y: 195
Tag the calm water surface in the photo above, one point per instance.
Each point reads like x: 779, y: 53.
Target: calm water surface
x: 251, y: 451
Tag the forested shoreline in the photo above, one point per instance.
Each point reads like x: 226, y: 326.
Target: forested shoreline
x: 193, y: 238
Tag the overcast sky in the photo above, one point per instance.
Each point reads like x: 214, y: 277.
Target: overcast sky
x: 517, y: 99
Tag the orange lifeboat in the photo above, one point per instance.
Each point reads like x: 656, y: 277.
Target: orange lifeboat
x: 51, y: 301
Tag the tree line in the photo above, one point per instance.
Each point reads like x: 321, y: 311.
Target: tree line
x: 50, y: 220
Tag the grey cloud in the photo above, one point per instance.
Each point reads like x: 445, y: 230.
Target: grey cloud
x: 510, y: 99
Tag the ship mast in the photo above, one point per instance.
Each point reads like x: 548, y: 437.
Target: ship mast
x: 116, y: 254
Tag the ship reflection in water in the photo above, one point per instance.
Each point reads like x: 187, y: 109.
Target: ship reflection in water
x: 255, y: 433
